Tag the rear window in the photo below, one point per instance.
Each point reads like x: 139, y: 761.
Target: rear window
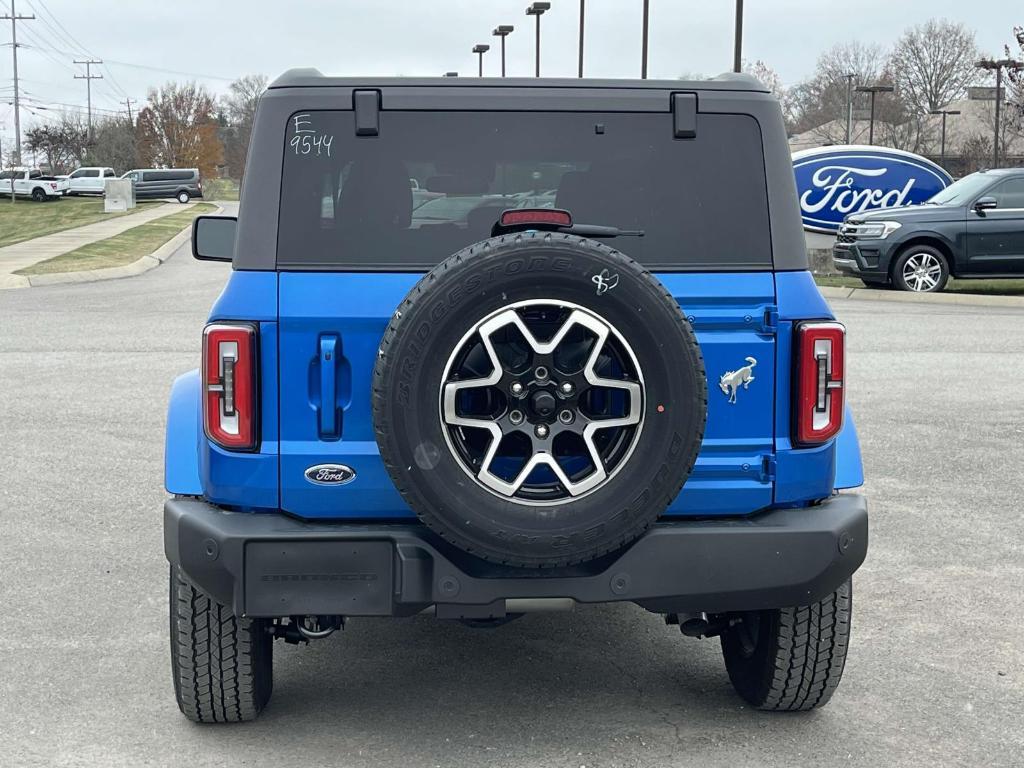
x: 434, y: 182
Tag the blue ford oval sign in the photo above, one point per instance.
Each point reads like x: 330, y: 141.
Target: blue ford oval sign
x: 832, y: 182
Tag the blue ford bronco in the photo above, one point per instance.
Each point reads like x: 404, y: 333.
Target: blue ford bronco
x: 491, y: 347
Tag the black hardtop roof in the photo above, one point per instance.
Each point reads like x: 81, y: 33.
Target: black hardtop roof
x: 313, y: 78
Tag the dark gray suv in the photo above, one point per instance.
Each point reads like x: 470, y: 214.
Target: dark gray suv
x: 972, y: 229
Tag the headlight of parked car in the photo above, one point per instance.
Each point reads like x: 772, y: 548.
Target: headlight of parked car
x: 875, y: 230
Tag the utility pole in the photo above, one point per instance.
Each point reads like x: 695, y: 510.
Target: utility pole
x: 643, y: 53
x: 988, y: 64
x: 849, y: 104
x: 88, y: 77
x: 15, y: 18
x: 131, y: 118
x: 737, y: 53
x: 583, y: 10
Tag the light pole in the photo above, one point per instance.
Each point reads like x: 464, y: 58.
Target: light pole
x: 583, y: 9
x: 537, y: 9
x: 873, y: 90
x: 480, y: 50
x: 737, y: 52
x: 643, y: 53
x: 998, y: 65
x: 503, y: 31
x: 942, y: 146
x: 849, y: 104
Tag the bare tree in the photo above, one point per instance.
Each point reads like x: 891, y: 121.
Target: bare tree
x: 821, y: 100
x: 177, y: 128
x: 1015, y: 83
x: 933, y: 63
x: 239, y: 111
x: 976, y: 153
x: 113, y: 144
x: 63, y: 143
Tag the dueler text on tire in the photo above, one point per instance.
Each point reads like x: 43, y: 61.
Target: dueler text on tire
x: 539, y: 399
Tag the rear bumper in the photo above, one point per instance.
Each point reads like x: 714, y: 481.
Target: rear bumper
x: 272, y: 565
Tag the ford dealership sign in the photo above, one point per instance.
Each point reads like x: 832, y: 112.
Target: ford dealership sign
x: 835, y: 181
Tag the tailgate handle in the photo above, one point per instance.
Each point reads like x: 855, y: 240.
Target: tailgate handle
x: 328, y: 386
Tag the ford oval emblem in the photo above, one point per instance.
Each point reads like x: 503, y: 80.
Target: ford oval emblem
x: 330, y: 474
x: 832, y: 182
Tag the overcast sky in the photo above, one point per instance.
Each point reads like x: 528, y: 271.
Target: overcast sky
x: 147, y: 42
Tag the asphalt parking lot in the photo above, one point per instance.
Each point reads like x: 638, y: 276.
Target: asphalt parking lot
x: 935, y: 676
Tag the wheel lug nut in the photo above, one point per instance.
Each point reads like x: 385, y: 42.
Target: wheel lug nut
x: 541, y: 431
x: 566, y: 416
x: 541, y: 373
x: 566, y: 387
x: 517, y: 388
x: 516, y: 417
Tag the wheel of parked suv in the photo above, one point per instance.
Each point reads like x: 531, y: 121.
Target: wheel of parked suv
x: 539, y: 399
x: 183, y: 196
x: 920, y: 268
x: 790, y: 659
x: 222, y: 664
x: 38, y: 195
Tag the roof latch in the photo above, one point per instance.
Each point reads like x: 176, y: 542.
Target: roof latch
x: 684, y: 115
x: 366, y: 105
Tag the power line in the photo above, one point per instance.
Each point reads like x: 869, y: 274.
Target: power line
x: 88, y: 77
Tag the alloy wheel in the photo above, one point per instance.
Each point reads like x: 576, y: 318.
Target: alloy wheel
x: 542, y: 401
x: 922, y: 272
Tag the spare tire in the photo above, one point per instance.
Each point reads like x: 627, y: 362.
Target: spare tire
x: 539, y: 399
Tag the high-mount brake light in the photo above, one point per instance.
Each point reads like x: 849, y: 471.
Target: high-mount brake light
x: 819, y: 384
x: 547, y: 216
x: 229, y: 385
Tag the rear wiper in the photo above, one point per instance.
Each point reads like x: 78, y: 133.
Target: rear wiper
x: 595, y: 230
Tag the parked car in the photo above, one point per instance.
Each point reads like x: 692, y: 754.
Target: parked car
x: 623, y: 397
x: 89, y: 180
x: 31, y: 182
x: 972, y: 229
x: 155, y: 183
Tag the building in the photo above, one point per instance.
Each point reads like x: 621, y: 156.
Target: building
x: 968, y: 135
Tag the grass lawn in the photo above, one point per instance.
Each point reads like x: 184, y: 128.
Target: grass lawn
x: 129, y: 246
x: 25, y: 219
x: 991, y: 287
x: 220, y: 189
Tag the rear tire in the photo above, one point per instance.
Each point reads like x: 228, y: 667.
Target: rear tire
x: 790, y: 659
x: 222, y: 665
x: 38, y: 195
x: 183, y: 197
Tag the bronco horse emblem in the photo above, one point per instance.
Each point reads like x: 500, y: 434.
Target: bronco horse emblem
x: 732, y: 380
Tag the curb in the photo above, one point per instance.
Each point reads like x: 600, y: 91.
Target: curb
x: 143, y: 264
x: 873, y: 294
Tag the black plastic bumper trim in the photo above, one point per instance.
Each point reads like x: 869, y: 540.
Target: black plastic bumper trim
x: 274, y: 565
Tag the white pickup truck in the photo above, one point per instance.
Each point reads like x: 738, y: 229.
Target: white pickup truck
x: 30, y: 182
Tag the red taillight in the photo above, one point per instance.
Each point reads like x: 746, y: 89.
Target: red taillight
x: 820, y: 381
x: 229, y: 383
x: 549, y: 216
